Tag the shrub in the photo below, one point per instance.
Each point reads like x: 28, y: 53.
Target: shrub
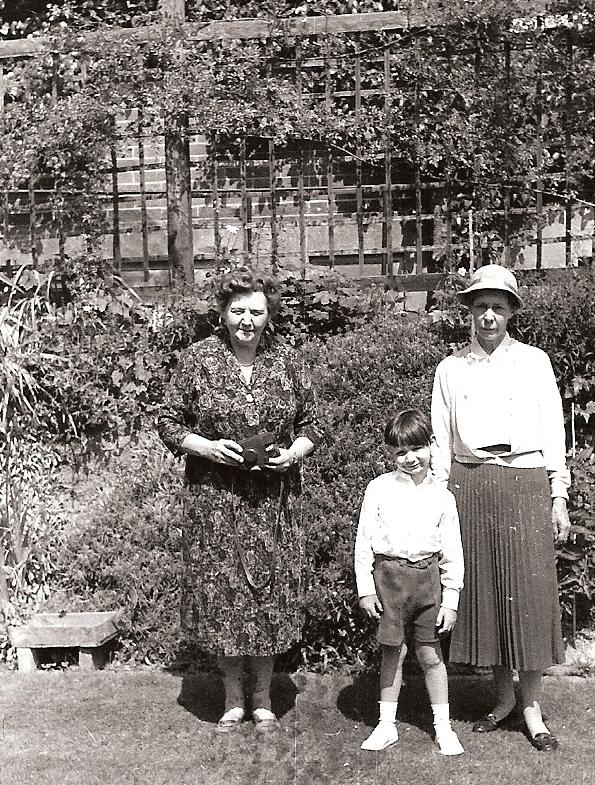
x: 128, y: 552
x: 363, y: 377
x: 32, y: 518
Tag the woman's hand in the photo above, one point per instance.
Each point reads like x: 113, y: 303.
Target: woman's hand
x: 371, y: 606
x: 217, y: 450
x: 560, y: 519
x: 446, y: 619
x: 300, y: 449
x: 283, y: 461
x: 225, y: 451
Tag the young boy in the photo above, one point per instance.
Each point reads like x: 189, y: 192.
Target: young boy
x: 409, y: 572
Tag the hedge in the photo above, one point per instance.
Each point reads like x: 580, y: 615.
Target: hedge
x: 115, y: 354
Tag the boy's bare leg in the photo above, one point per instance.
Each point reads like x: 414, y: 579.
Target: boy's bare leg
x: 429, y: 656
x: 391, y: 672
x: 391, y: 677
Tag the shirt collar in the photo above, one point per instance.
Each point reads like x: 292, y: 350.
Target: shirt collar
x: 406, y: 478
x: 478, y: 353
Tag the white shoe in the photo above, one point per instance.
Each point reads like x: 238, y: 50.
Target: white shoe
x: 231, y: 720
x: 383, y: 735
x: 448, y: 742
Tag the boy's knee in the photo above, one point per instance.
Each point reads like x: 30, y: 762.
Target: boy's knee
x: 429, y: 655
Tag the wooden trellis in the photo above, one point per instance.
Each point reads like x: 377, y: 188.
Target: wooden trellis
x: 411, y: 254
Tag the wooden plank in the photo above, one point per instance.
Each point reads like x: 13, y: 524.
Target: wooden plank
x: 426, y: 282
x: 32, y: 220
x: 300, y: 182
x: 329, y: 159
x: 273, y: 203
x: 506, y: 227
x: 359, y: 207
x: 568, y: 86
x: 47, y: 630
x: 179, y: 199
x: 213, y: 171
x: 116, y: 245
x: 263, y: 28
x: 143, y: 193
x: 244, y: 203
x: 388, y: 191
x: 539, y: 154
x: 173, y: 10
x: 234, y: 30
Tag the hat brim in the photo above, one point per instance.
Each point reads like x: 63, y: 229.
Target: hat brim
x: 466, y: 295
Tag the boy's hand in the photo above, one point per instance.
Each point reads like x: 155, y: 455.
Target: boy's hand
x: 446, y: 619
x: 371, y: 606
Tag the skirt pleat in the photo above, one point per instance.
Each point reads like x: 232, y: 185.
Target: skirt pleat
x: 509, y: 612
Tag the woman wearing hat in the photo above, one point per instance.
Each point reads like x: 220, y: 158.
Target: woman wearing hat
x: 500, y: 443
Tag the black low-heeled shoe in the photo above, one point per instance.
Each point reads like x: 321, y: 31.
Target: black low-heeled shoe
x: 486, y: 724
x: 544, y: 742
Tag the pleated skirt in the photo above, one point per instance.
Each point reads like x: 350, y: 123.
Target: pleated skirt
x: 509, y: 612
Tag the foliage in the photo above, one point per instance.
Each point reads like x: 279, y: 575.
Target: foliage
x: 106, y: 359
x: 125, y: 553
x: 362, y: 377
x: 32, y: 517
x: 128, y: 551
x: 454, y: 111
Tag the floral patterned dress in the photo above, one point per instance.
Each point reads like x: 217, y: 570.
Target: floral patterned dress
x: 208, y: 395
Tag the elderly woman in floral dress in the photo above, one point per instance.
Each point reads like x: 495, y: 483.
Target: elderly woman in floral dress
x: 243, y: 547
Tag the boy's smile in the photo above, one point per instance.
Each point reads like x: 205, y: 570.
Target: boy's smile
x: 414, y: 461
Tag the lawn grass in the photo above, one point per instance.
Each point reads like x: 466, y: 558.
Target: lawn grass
x: 139, y: 727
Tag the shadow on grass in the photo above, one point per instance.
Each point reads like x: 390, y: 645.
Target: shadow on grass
x: 202, y: 694
x: 470, y: 697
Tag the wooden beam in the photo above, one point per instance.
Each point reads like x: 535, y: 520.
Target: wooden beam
x: 179, y: 200
x: 173, y: 10
x: 257, y: 28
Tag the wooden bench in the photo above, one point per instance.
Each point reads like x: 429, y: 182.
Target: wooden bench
x: 89, y: 632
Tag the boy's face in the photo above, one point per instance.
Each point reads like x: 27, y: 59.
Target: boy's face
x: 414, y: 461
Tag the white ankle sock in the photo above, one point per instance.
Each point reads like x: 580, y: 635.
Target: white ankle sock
x: 534, y: 720
x: 388, y: 711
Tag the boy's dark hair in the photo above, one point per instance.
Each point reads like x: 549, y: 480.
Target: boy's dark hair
x: 409, y: 428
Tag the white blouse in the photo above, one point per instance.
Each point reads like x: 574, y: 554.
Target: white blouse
x: 400, y: 518
x: 508, y: 397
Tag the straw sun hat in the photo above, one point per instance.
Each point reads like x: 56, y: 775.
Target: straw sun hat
x: 491, y: 276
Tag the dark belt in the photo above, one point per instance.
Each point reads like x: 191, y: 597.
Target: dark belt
x: 421, y: 564
x: 496, y: 449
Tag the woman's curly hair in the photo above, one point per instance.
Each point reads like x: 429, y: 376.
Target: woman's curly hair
x: 244, y: 280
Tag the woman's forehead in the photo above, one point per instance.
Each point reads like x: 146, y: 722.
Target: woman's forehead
x: 249, y: 300
x: 490, y: 296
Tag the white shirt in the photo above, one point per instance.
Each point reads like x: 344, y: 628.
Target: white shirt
x: 507, y: 397
x: 400, y: 518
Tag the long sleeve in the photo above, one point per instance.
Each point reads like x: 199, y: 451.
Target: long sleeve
x: 364, y: 555
x: 307, y: 421
x: 452, y: 565
x: 553, y: 433
x: 509, y: 397
x: 442, y: 448
x: 175, y: 419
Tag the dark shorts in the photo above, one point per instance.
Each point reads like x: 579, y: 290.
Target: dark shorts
x: 410, y: 595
